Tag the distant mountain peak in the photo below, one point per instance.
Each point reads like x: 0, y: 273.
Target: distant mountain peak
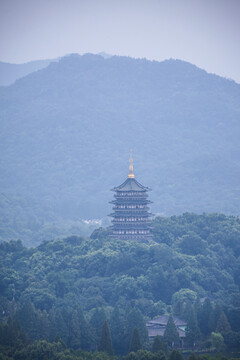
x: 105, y: 55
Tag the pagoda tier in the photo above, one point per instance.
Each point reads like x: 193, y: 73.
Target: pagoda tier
x: 131, y: 217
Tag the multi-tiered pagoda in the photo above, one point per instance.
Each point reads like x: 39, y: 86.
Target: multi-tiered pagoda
x: 131, y: 217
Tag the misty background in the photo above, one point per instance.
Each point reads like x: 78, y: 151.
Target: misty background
x: 69, y: 121
x: 205, y: 33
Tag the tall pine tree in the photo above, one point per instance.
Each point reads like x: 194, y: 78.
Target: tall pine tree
x: 87, y: 337
x: 136, y: 343
x: 192, y: 329
x: 74, y: 339
x: 192, y: 356
x: 105, y: 343
x: 171, y: 335
x: 134, y: 319
x: 97, y: 321
x: 117, y: 331
x: 159, y: 345
x: 204, y: 317
x: 217, y: 310
x: 223, y: 325
x: 175, y: 355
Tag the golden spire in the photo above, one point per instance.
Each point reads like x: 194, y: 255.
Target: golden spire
x: 131, y: 174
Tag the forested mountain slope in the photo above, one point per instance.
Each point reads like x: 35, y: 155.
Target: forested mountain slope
x: 79, y: 282
x: 66, y: 132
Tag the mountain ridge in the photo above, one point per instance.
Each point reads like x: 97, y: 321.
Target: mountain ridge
x: 68, y: 128
x: 10, y: 72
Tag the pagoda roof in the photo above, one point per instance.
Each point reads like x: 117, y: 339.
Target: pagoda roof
x: 131, y: 184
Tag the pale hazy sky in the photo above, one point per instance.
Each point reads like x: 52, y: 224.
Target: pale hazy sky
x: 203, y: 32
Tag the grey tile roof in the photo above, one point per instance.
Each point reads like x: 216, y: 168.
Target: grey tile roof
x: 157, y: 326
x: 163, y: 319
x: 131, y: 185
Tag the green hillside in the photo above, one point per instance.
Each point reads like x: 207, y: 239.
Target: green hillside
x: 77, y: 282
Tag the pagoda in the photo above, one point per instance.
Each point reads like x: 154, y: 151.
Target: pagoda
x: 131, y: 217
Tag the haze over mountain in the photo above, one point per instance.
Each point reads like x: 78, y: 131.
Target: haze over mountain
x: 11, y: 72
x: 66, y: 131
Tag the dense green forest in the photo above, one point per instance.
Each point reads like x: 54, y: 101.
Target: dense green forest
x: 66, y: 289
x: 26, y: 220
x: 66, y: 132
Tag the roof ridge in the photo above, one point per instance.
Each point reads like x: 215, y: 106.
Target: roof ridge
x: 131, y: 184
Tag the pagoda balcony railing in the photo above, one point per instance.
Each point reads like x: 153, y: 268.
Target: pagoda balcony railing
x: 130, y: 201
x: 130, y: 197
x: 127, y: 214
x: 133, y: 200
x: 132, y: 232
x: 132, y: 237
x: 124, y: 229
x: 130, y: 207
x: 131, y: 226
x: 148, y: 217
x: 118, y: 210
x: 131, y: 193
x: 131, y: 218
x: 145, y: 221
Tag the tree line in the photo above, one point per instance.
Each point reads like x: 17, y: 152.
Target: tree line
x: 14, y: 345
x: 70, y: 287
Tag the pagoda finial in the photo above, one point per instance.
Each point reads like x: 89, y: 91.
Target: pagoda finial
x: 131, y: 174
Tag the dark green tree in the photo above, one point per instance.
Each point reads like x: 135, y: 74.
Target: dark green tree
x: 217, y: 340
x: 136, y: 343
x: 158, y: 345
x: 175, y: 355
x: 171, y: 335
x: 117, y: 331
x: 74, y: 339
x: 44, y: 350
x: 58, y: 325
x: 144, y: 355
x: 28, y: 318
x: 87, y: 337
x: 192, y: 356
x: 97, y: 321
x: 105, y: 342
x: 192, y: 329
x: 134, y: 319
x: 223, y: 325
x: 215, y: 314
x: 232, y: 341
x: 12, y: 334
x: 204, y: 317
x: 44, y: 326
x: 182, y: 298
x: 192, y: 244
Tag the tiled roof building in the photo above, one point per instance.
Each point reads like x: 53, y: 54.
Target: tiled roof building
x: 158, y: 325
